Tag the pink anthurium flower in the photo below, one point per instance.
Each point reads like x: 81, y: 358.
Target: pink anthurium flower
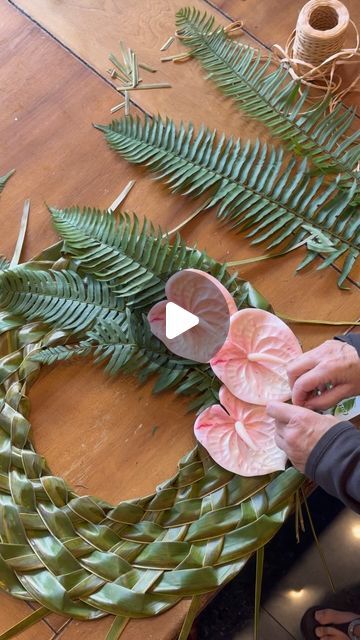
x: 252, y: 362
x: 205, y: 297
x: 240, y: 436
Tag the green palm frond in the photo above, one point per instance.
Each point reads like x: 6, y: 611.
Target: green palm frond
x: 273, y: 98
x: 5, y: 178
x: 134, y: 259
x: 255, y: 188
x: 58, y: 298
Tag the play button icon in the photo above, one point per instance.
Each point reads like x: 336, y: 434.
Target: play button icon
x: 178, y: 320
x: 194, y: 320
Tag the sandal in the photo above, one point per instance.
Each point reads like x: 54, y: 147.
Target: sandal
x: 346, y: 600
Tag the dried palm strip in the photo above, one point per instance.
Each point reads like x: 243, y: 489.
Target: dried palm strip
x: 159, y: 85
x: 117, y: 107
x: 180, y: 57
x: 168, y: 43
x: 142, y: 65
x: 126, y: 54
x: 119, y: 67
x: 121, y: 197
x: 21, y: 237
x: 127, y: 103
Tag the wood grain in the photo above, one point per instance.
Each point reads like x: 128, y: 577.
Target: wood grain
x: 93, y: 30
x: 99, y: 434
x: 89, y: 30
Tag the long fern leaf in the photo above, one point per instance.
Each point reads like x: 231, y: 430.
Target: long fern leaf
x: 58, y: 298
x: 255, y: 188
x: 273, y: 98
x: 136, y: 260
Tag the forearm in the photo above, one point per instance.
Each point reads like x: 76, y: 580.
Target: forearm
x: 334, y: 464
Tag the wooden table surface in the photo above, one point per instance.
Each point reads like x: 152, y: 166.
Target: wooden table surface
x: 98, y: 434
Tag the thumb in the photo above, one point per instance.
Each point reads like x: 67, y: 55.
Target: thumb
x: 281, y: 411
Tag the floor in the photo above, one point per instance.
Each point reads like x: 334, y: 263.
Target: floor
x: 294, y: 577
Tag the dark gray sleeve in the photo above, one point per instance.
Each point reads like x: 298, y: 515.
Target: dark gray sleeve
x: 351, y: 338
x: 334, y: 464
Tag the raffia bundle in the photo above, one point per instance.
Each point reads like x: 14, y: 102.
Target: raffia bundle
x: 315, y: 48
x: 320, y: 31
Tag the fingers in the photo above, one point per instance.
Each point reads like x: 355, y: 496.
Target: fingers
x: 328, y: 398
x: 301, y: 365
x: 332, y: 616
x: 281, y: 411
x: 284, y: 413
x: 330, y: 633
x: 308, y: 382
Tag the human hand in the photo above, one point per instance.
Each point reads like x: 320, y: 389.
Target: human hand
x: 333, y: 368
x: 298, y: 430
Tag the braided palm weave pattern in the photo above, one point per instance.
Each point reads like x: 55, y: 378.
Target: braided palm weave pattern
x: 85, y: 558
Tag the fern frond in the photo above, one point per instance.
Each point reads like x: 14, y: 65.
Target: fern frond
x: 5, y: 178
x: 255, y: 188
x: 89, y: 312
x: 50, y: 355
x: 201, y: 383
x: 132, y: 348
x: 273, y: 98
x: 134, y: 259
x: 58, y: 298
x: 4, y: 263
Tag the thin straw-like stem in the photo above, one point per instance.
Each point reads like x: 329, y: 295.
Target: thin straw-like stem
x: 21, y: 237
x: 168, y: 43
x: 121, y: 197
x: 318, y: 545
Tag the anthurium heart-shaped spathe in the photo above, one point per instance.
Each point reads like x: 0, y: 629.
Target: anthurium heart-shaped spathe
x: 239, y: 436
x: 252, y: 362
x: 205, y: 297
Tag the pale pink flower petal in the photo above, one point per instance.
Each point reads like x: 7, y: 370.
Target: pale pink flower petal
x: 243, y: 442
x: 157, y: 319
x: 206, y: 298
x: 252, y: 362
x: 202, y: 300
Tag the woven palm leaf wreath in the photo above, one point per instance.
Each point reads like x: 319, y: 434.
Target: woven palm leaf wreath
x: 78, y: 555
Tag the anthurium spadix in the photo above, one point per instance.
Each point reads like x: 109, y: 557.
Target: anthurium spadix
x: 203, y: 296
x: 239, y: 436
x: 252, y: 362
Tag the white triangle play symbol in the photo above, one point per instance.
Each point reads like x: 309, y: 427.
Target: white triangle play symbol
x: 178, y: 320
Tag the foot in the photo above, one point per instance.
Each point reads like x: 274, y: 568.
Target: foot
x: 326, y: 617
